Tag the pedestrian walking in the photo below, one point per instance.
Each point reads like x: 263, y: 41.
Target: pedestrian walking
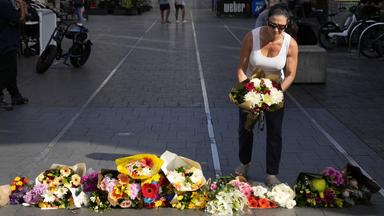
x: 276, y: 52
x: 180, y: 6
x: 12, y: 14
x: 79, y: 10
x: 165, y: 11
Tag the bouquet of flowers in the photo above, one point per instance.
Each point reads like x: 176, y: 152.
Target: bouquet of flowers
x: 257, y: 94
x: 62, y: 187
x: 283, y: 196
x: 227, y: 201
x: 122, y: 191
x: 157, y: 191
x: 183, y: 173
x: 259, y: 198
x: 358, y: 188
x: 186, y: 179
x: 314, y: 190
x: 139, y: 166
x: 19, y: 187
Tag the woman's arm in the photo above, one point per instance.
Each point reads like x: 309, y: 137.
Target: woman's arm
x: 246, y: 48
x: 291, y: 65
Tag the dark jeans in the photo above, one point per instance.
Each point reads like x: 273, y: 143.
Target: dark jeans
x: 274, y: 121
x: 8, y: 74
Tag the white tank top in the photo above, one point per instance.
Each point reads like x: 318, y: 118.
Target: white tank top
x: 268, y: 64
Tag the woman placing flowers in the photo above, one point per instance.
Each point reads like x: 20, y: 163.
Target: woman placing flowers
x: 275, y: 52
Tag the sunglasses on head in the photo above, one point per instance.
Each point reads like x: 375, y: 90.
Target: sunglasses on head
x: 274, y: 25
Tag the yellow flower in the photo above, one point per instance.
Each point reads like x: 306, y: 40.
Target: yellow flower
x: 19, y: 183
x: 75, y: 180
x: 58, y: 180
x: 180, y: 197
x: 13, y: 187
x: 158, y: 203
x: 65, y: 171
x: 17, y: 178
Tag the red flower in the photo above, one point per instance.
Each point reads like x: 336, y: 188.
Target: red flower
x: 149, y: 190
x: 147, y: 162
x: 252, y: 202
x: 249, y: 86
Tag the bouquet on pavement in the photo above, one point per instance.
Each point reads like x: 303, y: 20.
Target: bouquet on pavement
x: 58, y: 187
x: 183, y: 173
x: 257, y: 94
x: 19, y: 187
x: 140, y: 166
x: 334, y: 188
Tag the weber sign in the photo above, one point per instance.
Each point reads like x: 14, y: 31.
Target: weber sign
x: 235, y: 6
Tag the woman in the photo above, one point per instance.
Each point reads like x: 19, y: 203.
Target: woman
x: 275, y: 51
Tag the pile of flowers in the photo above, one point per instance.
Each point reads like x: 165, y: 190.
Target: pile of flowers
x: 257, y: 94
x: 180, y: 184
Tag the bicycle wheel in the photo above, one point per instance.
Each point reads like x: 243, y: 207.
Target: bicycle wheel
x: 80, y: 53
x: 46, y: 58
x: 372, y: 41
x: 325, y: 40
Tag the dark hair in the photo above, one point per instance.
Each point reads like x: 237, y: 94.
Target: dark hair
x: 279, y: 9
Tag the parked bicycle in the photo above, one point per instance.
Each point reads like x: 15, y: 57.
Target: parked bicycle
x: 78, y: 53
x: 330, y: 33
x: 371, y: 42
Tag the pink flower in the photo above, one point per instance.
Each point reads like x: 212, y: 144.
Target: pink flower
x: 213, y: 186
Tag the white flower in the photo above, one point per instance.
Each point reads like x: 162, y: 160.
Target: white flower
x: 290, y: 204
x: 60, y: 192
x: 254, y: 98
x: 256, y: 82
x: 259, y: 191
x: 267, y: 99
x: 93, y: 199
x: 197, y: 176
x: 146, y: 171
x: 268, y: 83
x: 277, y: 96
x: 49, y: 197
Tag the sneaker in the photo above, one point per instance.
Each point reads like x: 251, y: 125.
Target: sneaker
x: 19, y: 100
x: 177, y: 21
x: 271, y: 180
x: 4, y: 105
x: 185, y: 21
x: 242, y: 170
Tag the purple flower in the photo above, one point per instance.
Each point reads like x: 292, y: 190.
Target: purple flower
x: 90, y: 182
x: 334, y: 175
x: 34, y: 196
x: 134, y: 191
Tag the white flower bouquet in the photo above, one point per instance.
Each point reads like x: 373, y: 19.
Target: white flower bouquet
x: 183, y: 173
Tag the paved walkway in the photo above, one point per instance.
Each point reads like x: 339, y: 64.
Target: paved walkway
x: 141, y: 91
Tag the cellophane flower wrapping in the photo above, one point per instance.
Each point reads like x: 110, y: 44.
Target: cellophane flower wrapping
x: 257, y: 94
x: 183, y: 173
x: 140, y: 166
x: 120, y: 190
x: 59, y: 187
x: 5, y: 192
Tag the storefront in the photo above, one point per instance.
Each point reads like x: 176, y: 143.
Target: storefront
x: 238, y: 7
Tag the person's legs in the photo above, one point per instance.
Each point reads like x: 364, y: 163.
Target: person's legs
x: 5, y: 77
x: 274, y: 144
x: 168, y: 12
x: 245, y: 145
x: 17, y: 98
x: 183, y: 14
x: 79, y: 16
x: 176, y: 12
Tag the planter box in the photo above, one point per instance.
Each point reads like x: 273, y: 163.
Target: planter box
x: 312, y: 66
